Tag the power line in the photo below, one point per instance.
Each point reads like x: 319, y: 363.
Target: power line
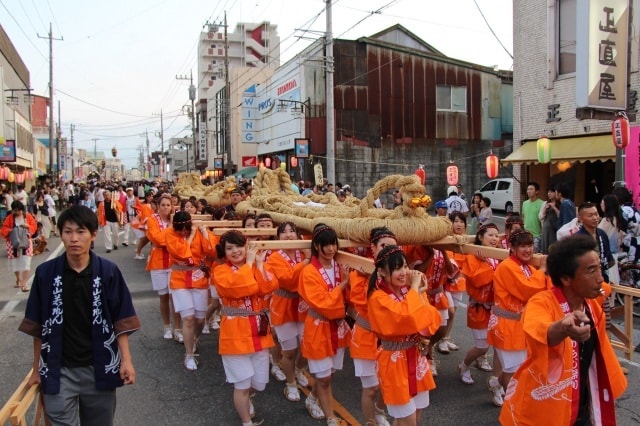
x: 491, y: 29
x: 102, y: 108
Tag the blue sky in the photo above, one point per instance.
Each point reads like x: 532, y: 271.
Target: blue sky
x: 116, y: 67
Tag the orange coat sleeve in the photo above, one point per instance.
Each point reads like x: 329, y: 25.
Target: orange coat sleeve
x: 392, y: 318
x: 7, y: 225
x: 288, y: 277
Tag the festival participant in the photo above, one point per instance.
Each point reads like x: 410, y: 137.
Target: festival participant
x: 513, y: 223
x: 245, y: 337
x: 139, y: 225
x: 454, y: 288
x: 363, y: 347
x: 571, y: 375
x: 514, y: 282
x: 326, y: 334
x: 19, y: 258
x: 249, y: 221
x: 159, y: 267
x: 284, y: 309
x: 438, y: 268
x: 479, y: 271
x: 131, y: 206
x: 110, y: 219
x: 188, y: 206
x: 402, y: 317
x: 189, y: 281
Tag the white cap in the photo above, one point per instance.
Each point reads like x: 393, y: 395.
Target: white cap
x: 451, y: 189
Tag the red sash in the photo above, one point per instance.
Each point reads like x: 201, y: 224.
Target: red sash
x: 606, y: 406
x: 333, y: 325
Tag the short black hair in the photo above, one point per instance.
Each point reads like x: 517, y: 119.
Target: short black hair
x: 535, y: 185
x: 231, y: 237
x: 487, y: 201
x: 323, y: 235
x: 563, y: 256
x: 17, y: 205
x: 81, y: 216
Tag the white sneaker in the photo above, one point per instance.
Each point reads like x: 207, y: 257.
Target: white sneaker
x: 314, y: 409
x: 168, y: 334
x: 215, y: 325
x: 381, y: 418
x: 139, y: 256
x: 301, y: 378
x: 277, y: 373
x: 205, y: 329
x: 452, y: 346
x: 465, y: 374
x: 497, y: 393
x: 190, y: 362
x: 482, y: 363
x: 177, y: 335
x: 442, y: 347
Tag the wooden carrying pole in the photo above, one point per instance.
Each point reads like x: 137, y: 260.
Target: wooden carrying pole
x: 248, y: 232
x: 219, y: 223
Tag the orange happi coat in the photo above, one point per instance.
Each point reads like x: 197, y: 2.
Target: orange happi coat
x: 322, y: 338
x: 513, y: 288
x: 144, y: 212
x: 184, y: 255
x: 159, y: 257
x: 364, y: 343
x: 540, y: 392
x: 479, y: 275
x: 285, y: 303
x: 243, y: 288
x: 402, y: 319
x: 102, y: 218
x: 435, y: 273
x: 458, y: 283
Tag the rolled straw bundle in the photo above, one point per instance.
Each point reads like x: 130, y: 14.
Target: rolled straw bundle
x: 217, y: 195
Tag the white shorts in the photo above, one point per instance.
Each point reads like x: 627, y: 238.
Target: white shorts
x: 322, y: 368
x: 480, y: 337
x: 366, y: 370
x: 213, y: 292
x: 160, y: 280
x: 510, y: 360
x: 418, y: 402
x: 190, y: 302
x: 444, y: 314
x: 455, y: 298
x: 247, y: 370
x: 288, y: 334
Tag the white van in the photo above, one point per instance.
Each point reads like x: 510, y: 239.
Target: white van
x: 500, y: 192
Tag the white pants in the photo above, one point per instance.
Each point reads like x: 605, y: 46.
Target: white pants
x: 125, y: 239
x: 111, y: 230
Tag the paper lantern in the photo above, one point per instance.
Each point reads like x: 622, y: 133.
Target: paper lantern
x: 493, y: 165
x: 293, y: 161
x: 620, y: 131
x: 4, y: 172
x: 544, y: 150
x: 11, y: 177
x: 30, y: 174
x: 420, y: 172
x: 452, y: 174
x: 283, y: 165
x: 20, y: 177
x: 267, y: 162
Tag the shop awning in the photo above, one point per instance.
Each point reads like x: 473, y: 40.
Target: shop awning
x: 247, y: 173
x: 586, y: 148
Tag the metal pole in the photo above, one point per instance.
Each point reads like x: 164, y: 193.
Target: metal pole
x: 331, y: 165
x: 227, y: 103
x: 51, y: 100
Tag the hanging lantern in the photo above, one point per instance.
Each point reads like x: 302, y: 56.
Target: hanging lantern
x: 493, y: 165
x: 4, y: 172
x: 261, y: 165
x: 20, y: 177
x: 293, y: 161
x: 620, y: 131
x: 452, y: 174
x: 114, y: 152
x: 421, y: 173
x: 11, y: 177
x: 283, y: 165
x: 267, y: 162
x: 30, y: 174
x: 543, y: 146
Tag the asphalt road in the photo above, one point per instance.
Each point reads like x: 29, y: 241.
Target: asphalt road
x: 166, y: 394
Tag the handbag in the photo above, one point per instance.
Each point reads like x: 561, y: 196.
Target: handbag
x: 19, y: 237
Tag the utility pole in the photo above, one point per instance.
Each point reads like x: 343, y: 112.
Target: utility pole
x: 227, y: 102
x: 162, y: 158
x: 73, y: 169
x: 95, y: 150
x: 192, y: 97
x: 58, y: 134
x: 331, y: 152
x: 51, y: 38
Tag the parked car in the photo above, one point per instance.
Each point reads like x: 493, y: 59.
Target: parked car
x: 500, y: 191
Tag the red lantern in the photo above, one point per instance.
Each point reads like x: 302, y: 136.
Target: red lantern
x: 452, y: 174
x: 293, y: 161
x: 493, y: 165
x: 620, y: 131
x: 267, y: 162
x: 30, y: 174
x: 420, y: 172
x: 4, y: 173
x: 20, y: 177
